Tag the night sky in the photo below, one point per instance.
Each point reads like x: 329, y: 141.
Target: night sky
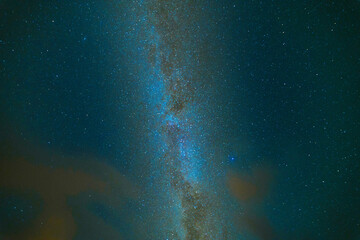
x: 179, y: 120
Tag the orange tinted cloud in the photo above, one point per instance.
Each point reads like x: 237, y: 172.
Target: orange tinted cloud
x: 54, y: 185
x: 251, y: 190
x: 259, y: 226
x: 252, y: 187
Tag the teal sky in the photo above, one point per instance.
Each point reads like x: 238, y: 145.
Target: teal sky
x: 152, y: 107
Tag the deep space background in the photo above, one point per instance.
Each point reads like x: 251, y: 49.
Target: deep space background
x: 193, y: 119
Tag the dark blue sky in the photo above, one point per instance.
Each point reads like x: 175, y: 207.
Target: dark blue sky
x: 276, y: 85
